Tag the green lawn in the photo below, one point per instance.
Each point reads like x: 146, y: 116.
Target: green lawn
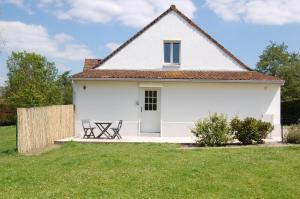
x: 147, y: 171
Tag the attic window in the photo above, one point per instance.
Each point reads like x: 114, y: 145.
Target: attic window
x: 172, y: 52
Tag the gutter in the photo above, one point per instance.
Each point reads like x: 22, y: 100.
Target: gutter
x: 281, y: 82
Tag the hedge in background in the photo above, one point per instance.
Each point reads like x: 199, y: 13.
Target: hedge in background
x: 290, y: 112
x: 7, y: 115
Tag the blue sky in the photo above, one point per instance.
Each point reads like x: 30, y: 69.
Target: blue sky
x: 68, y: 31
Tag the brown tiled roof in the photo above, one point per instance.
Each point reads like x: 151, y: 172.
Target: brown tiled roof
x: 176, y: 75
x: 188, y: 20
x: 90, y: 63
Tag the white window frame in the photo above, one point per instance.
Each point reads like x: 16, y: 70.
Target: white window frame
x: 171, y: 52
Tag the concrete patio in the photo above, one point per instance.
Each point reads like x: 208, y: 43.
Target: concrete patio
x: 130, y: 140
x: 142, y: 139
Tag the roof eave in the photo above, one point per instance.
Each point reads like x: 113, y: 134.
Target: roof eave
x: 281, y: 82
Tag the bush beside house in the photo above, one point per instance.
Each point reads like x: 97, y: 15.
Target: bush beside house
x: 212, y: 131
x: 250, y: 130
x: 216, y: 130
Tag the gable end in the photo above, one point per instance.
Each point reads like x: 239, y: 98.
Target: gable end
x: 189, y: 21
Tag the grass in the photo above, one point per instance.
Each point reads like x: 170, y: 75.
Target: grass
x: 147, y: 171
x: 7, y: 140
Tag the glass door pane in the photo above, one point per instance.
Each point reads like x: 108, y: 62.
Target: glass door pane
x: 150, y: 102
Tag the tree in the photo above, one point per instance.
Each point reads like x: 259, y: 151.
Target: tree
x: 291, y: 88
x: 276, y: 60
x: 32, y: 81
x: 66, y: 84
x: 273, y: 57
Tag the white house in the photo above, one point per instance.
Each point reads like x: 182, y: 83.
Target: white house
x: 167, y: 76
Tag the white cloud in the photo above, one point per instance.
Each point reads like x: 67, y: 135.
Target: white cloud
x: 272, y: 12
x: 45, y: 3
x: 35, y: 38
x: 62, y: 66
x: 134, y: 13
x: 112, y: 46
x: 62, y: 38
x: 18, y: 3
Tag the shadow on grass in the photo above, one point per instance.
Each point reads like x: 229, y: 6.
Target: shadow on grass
x: 12, y: 151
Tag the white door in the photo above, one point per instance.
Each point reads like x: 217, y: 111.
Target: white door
x: 150, y: 110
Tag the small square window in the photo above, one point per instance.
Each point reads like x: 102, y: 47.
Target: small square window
x: 150, y: 103
x: 172, y: 52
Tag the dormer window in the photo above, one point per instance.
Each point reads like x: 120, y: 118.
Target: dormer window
x: 172, y: 52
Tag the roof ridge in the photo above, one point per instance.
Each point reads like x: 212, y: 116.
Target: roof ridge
x: 173, y: 8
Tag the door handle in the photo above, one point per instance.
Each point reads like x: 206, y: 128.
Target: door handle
x: 141, y: 109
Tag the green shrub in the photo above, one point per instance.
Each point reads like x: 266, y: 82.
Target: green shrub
x: 244, y: 131
x: 212, y: 131
x: 250, y: 130
x: 293, y: 135
x: 264, y: 128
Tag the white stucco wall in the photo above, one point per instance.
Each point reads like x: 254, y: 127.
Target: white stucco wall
x: 182, y: 104
x: 197, y: 52
x: 107, y: 101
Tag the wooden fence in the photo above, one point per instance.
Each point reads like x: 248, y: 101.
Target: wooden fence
x: 38, y: 128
